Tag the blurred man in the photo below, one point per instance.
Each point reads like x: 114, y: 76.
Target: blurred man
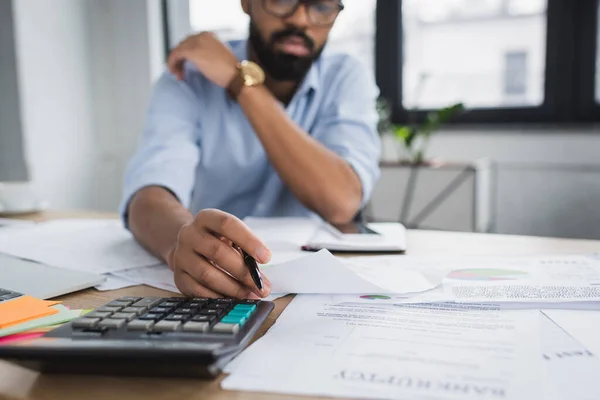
x: 263, y: 127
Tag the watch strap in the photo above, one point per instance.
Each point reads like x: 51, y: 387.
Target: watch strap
x: 235, y: 86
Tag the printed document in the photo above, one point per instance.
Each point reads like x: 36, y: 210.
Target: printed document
x: 572, y: 370
x: 583, y: 325
x: 416, y: 351
x: 97, y: 246
x: 321, y: 272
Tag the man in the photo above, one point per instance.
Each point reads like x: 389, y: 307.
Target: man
x: 264, y: 127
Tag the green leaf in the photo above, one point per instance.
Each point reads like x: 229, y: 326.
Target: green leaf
x: 406, y: 135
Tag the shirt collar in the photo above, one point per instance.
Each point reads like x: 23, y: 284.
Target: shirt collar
x: 310, y: 82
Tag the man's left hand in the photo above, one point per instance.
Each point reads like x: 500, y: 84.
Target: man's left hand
x: 212, y: 57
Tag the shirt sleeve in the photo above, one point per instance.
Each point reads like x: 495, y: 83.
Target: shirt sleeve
x: 348, y: 121
x: 168, y: 150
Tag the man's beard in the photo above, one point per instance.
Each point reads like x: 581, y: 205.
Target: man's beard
x: 281, y: 66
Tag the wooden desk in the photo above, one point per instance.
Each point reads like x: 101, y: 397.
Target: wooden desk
x: 19, y: 383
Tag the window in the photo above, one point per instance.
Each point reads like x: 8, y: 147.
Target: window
x: 506, y: 60
x: 515, y: 74
x: 461, y: 51
x: 353, y: 32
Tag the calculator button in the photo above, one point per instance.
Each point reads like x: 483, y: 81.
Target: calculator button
x: 140, y: 325
x: 135, y: 310
x: 151, y: 316
x: 239, y: 313
x: 84, y: 322
x: 226, y: 328
x: 177, y: 317
x: 220, y: 306
x: 196, y: 327
x: 167, y: 326
x: 195, y: 304
x: 124, y: 315
x: 224, y: 300
x: 118, y: 303
x: 109, y: 309
x: 147, y: 302
x: 184, y: 311
x: 98, y: 314
x: 129, y: 298
x: 169, y: 304
x: 161, y: 310
x: 248, y: 301
x: 203, y: 318
x: 210, y: 311
x: 10, y: 296
x: 233, y: 320
x: 245, y: 307
x: 112, y: 323
x: 201, y: 299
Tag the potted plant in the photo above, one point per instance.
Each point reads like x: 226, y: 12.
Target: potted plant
x: 423, y: 194
x: 415, y: 138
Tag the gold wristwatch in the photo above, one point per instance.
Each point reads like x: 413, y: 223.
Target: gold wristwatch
x: 249, y: 74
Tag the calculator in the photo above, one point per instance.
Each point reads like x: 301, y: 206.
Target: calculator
x: 146, y: 336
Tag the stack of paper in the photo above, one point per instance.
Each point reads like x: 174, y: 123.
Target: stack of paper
x: 26, y: 316
x: 97, y: 246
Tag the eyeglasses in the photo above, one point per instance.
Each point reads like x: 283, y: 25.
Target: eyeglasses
x: 319, y: 12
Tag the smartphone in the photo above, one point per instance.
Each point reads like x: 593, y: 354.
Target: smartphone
x: 355, y: 231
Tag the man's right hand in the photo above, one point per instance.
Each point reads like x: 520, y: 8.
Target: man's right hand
x: 205, y: 262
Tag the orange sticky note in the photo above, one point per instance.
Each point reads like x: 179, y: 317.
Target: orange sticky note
x: 23, y: 309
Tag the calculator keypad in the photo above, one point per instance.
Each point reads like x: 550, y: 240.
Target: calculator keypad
x: 161, y: 315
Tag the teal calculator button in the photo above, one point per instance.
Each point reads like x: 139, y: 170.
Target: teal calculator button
x: 247, y: 307
x: 230, y: 320
x: 242, y: 313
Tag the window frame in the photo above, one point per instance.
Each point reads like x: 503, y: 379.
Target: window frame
x: 570, y: 80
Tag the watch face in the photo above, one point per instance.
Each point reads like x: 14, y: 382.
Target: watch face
x: 253, y: 74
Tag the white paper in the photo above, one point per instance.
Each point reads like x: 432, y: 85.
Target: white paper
x: 524, y: 293
x: 114, y: 282
x: 158, y: 276
x: 416, y: 352
x: 572, y: 370
x: 97, y: 246
x: 10, y: 222
x: 283, y: 233
x: 321, y: 272
x: 583, y: 325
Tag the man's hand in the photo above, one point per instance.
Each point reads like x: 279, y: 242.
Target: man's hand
x: 212, y: 58
x: 206, y: 264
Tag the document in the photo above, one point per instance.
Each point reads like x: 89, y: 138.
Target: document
x: 159, y: 276
x: 97, y: 246
x: 572, y: 370
x: 114, y: 282
x: 417, y: 352
x: 582, y: 325
x: 321, y: 272
x: 283, y: 232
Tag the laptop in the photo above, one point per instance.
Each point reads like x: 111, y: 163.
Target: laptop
x: 42, y: 281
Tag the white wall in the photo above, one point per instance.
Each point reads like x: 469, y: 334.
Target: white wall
x: 546, y: 180
x: 53, y: 58
x: 85, y: 70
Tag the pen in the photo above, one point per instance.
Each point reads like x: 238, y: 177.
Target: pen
x: 254, y: 271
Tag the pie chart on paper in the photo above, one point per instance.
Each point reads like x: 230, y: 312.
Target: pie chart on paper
x: 487, y: 274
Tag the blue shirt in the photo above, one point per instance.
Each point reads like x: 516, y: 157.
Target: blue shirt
x: 198, y: 143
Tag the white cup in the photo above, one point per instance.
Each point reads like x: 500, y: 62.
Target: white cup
x: 17, y: 197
